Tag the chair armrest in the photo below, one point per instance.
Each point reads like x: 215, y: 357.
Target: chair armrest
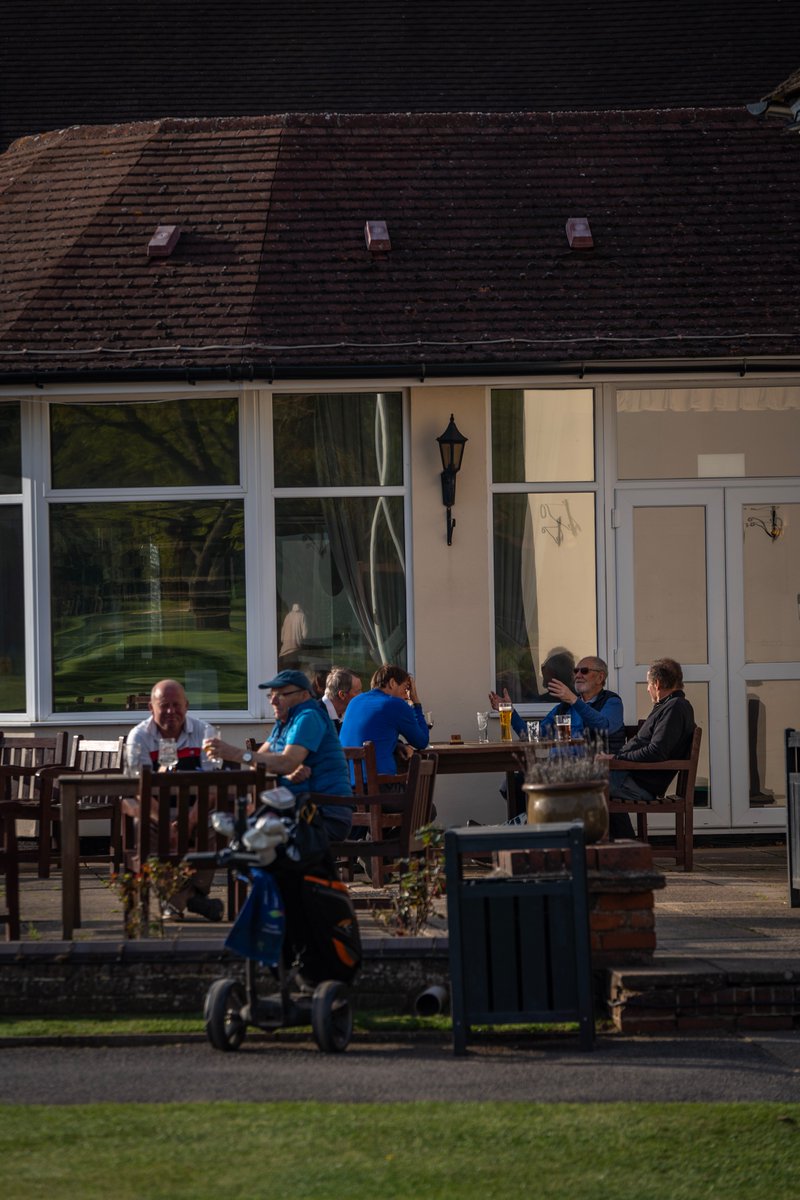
x: 666, y: 764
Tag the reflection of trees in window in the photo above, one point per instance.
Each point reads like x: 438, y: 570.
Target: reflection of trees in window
x: 516, y: 622
x: 339, y: 440
x: 144, y: 588
x: 175, y: 443
x: 10, y: 449
x: 12, y: 615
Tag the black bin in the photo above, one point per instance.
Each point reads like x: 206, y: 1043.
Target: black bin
x: 519, y: 946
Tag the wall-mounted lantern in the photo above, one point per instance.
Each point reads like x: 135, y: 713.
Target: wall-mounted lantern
x: 451, y: 448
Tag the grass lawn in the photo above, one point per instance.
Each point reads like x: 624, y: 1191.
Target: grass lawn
x: 227, y: 1150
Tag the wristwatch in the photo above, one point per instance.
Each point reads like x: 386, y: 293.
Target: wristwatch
x: 247, y: 758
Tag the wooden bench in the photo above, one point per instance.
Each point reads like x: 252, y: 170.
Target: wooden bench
x: 679, y: 802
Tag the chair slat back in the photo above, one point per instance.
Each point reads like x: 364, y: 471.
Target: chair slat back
x: 171, y: 796
x: 34, y: 751
x: 365, y: 768
x: 419, y: 794
x: 103, y: 755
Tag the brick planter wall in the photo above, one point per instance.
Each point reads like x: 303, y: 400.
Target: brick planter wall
x: 155, y: 976
x: 622, y: 879
x: 699, y: 998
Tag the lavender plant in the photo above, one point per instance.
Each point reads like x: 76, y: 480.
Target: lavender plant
x: 568, y: 764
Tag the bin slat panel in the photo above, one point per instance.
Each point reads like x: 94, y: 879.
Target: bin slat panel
x: 519, y: 947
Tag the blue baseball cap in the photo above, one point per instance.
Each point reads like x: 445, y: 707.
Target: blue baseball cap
x: 289, y: 679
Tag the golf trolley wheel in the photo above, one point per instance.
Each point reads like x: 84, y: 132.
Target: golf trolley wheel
x: 331, y: 1016
x: 225, y: 1025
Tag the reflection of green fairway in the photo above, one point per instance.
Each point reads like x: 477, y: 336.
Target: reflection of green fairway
x: 110, y: 656
x: 12, y: 693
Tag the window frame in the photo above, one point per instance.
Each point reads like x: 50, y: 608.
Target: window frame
x: 595, y: 487
x: 255, y: 489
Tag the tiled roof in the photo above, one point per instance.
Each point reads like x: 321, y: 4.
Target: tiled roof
x: 696, y: 242
x: 94, y: 62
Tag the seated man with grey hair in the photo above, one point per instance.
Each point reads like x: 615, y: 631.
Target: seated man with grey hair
x: 340, y: 687
x: 666, y: 733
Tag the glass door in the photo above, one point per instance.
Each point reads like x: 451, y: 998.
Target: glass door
x: 671, y: 603
x: 763, y: 548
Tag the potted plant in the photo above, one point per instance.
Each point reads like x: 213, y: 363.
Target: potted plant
x: 570, y: 784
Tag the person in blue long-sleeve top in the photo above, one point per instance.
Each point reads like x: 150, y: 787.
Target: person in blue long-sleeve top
x: 592, y: 707
x: 390, y: 708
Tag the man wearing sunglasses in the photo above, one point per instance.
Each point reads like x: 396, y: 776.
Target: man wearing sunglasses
x: 593, y: 709
x: 303, y: 748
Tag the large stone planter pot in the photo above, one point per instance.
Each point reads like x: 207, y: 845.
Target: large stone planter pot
x: 584, y: 801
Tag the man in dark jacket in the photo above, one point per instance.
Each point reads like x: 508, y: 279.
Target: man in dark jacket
x: 666, y: 733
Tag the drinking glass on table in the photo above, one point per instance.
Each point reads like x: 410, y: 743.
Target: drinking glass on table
x: 483, y: 726
x: 505, y: 710
x: 534, y: 732
x: 563, y: 727
x: 168, y: 753
x: 429, y: 719
x: 214, y: 759
x: 133, y: 759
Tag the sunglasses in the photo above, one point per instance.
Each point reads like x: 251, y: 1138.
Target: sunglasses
x: 280, y: 695
x: 586, y: 671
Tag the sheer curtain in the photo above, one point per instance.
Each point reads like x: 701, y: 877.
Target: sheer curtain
x: 365, y: 533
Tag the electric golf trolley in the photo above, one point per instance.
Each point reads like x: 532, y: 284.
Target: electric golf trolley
x: 298, y: 921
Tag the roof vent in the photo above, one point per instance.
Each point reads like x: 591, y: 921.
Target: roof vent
x: 163, y: 241
x: 579, y: 234
x: 376, y: 235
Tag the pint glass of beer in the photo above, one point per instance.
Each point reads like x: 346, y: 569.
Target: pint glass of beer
x: 563, y: 726
x: 505, y: 722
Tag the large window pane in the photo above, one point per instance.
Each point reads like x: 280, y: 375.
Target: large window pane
x: 541, y: 435
x: 772, y: 708
x: 691, y: 433
x: 12, y: 612
x: 145, y: 591
x: 670, y: 605
x: 10, y: 455
x: 174, y: 443
x: 341, y: 583
x: 544, y: 585
x: 344, y: 440
x: 771, y: 600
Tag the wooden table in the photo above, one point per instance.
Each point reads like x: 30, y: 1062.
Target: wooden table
x: 467, y: 758
x: 73, y: 788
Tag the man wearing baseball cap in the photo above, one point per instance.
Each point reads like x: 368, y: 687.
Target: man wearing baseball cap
x: 303, y: 748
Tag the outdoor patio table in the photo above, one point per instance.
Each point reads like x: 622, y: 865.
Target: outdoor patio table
x: 467, y: 758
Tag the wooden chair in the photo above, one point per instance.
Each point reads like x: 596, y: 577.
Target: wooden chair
x: 406, y: 812
x: 9, y: 868
x: 186, y: 798
x: 680, y: 802
x: 86, y: 757
x: 21, y: 761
